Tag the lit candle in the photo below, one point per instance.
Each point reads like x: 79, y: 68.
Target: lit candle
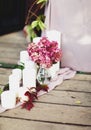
x: 8, y: 99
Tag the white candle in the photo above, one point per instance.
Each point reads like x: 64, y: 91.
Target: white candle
x: 24, y: 56
x: 17, y: 72
x: 30, y: 64
x: 29, y: 74
x: 8, y: 99
x: 29, y: 78
x: 52, y: 70
x: 21, y: 94
x: 14, y: 83
x: 36, y: 39
x: 54, y: 35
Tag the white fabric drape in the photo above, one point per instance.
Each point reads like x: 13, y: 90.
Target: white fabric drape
x: 60, y: 76
x: 73, y: 19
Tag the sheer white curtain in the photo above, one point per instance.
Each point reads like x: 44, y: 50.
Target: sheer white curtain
x: 73, y: 19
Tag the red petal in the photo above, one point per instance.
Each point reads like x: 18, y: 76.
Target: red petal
x: 28, y: 105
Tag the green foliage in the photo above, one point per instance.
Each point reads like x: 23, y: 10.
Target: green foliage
x: 42, y: 2
x: 11, y: 66
x: 36, y: 25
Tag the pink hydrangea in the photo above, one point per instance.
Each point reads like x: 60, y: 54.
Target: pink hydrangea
x: 45, y: 52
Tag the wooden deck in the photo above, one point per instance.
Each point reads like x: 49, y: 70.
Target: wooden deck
x: 67, y: 107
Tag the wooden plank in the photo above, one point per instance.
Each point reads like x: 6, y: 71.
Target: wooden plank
x: 12, y: 44
x: 80, y: 116
x: 10, y: 53
x: 67, y: 98
x: 3, y: 79
x: 4, y: 71
x: 18, y: 124
x: 75, y: 85
x: 10, y: 47
x: 15, y: 37
x: 4, y: 75
x: 9, y: 60
x: 82, y: 77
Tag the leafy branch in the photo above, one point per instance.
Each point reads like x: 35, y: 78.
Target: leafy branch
x: 37, y: 25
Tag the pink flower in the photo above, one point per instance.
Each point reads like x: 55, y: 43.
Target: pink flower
x: 45, y: 52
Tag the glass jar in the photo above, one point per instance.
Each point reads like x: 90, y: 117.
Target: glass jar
x: 43, y: 76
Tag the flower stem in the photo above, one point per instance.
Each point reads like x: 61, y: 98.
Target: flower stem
x: 31, y: 13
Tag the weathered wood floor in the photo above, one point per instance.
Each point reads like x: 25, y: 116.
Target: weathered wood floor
x: 67, y: 107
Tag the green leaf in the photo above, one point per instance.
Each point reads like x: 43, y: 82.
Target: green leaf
x: 41, y: 25
x: 7, y: 65
x: 42, y: 5
x: 33, y: 35
x: 41, y: 17
x: 38, y: 28
x: 34, y: 24
x: 41, y: 1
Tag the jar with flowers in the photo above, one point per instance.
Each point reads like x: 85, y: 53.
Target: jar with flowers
x: 45, y: 53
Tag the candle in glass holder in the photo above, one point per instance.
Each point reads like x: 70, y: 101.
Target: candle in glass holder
x: 8, y: 99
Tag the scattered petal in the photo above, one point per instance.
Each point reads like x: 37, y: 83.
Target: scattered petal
x: 78, y: 102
